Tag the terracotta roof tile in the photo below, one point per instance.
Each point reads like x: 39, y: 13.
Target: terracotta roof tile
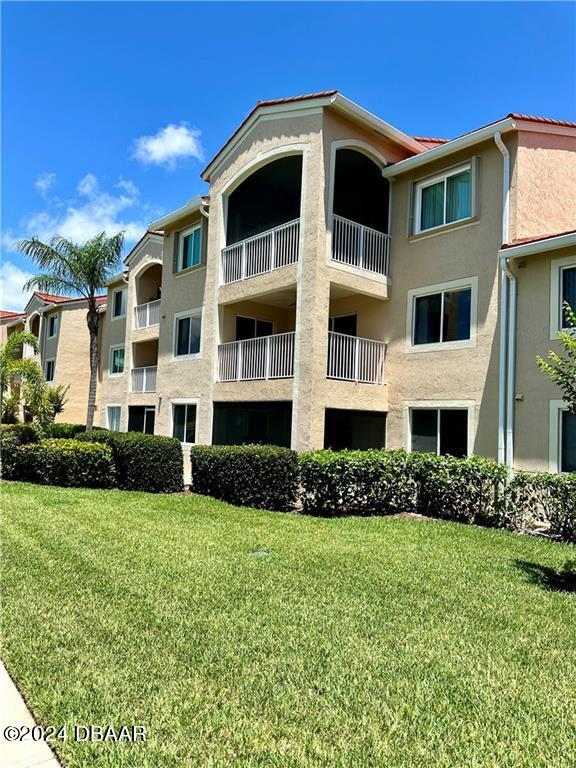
x: 10, y: 313
x: 537, y: 238
x: 545, y: 120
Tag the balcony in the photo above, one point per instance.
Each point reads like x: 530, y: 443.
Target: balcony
x: 144, y: 379
x: 147, y: 314
x: 351, y: 358
x: 356, y: 245
x: 261, y: 253
x: 265, y: 357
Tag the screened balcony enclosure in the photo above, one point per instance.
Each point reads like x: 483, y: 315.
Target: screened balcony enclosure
x: 360, y: 213
x: 263, y: 221
x: 148, y: 290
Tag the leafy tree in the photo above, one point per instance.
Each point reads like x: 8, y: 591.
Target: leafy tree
x: 20, y: 377
x: 77, y: 269
x: 562, y: 370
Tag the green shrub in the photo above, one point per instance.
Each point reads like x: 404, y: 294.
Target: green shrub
x: 12, y: 436
x: 67, y: 462
x: 373, y: 482
x: 143, y: 462
x: 543, y: 501
x: 261, y: 476
x: 467, y: 490
x: 62, y: 429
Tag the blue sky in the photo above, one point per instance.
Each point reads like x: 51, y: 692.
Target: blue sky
x: 109, y: 110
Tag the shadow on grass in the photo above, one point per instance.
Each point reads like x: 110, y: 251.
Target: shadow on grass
x: 548, y: 578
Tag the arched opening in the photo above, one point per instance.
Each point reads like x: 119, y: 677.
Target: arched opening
x: 268, y: 198
x: 35, y: 326
x: 148, y: 289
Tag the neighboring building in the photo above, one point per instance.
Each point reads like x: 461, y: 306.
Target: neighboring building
x: 347, y: 285
x: 59, y: 324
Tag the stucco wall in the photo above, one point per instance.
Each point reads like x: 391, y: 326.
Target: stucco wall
x: 72, y: 361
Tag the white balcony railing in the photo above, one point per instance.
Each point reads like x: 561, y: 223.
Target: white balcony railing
x: 147, y: 314
x: 359, y: 246
x: 351, y: 358
x: 261, y: 253
x: 267, y: 357
x: 144, y: 379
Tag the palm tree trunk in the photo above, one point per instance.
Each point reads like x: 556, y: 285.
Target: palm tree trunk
x: 92, y: 321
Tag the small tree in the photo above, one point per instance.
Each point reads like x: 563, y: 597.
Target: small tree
x: 21, y: 378
x: 562, y: 370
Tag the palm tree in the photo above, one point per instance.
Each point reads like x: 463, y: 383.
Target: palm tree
x: 18, y: 374
x: 77, y: 269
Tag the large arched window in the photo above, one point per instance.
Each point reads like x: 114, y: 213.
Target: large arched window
x: 360, y: 191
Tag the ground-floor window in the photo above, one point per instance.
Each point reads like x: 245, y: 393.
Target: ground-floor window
x: 113, y: 414
x: 184, y: 422
x: 567, y: 442
x: 247, y: 422
x: 438, y: 430
x: 141, y: 418
x: 49, y: 370
x: 357, y: 430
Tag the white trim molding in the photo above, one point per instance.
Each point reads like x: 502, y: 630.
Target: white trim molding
x: 184, y: 401
x: 113, y: 348
x: 53, y: 361
x: 428, y: 290
x: 196, y: 312
x: 56, y: 319
x: 441, y: 405
x: 121, y: 316
x: 556, y: 268
x: 113, y: 405
x: 182, y: 235
x: 557, y: 408
x: 429, y: 181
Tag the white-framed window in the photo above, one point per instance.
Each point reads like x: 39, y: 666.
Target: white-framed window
x: 117, y: 359
x: 187, y: 333
x: 442, y: 316
x: 119, y: 302
x: 49, y: 367
x: 189, y: 247
x: 562, y: 438
x: 113, y: 417
x: 184, y: 420
x: 442, y: 427
x: 443, y: 199
x: 52, y: 326
x: 562, y: 288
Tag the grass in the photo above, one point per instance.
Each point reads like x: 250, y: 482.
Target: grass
x: 353, y: 642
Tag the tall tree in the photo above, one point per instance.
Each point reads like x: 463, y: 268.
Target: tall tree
x: 77, y: 269
x: 562, y: 370
x: 19, y: 375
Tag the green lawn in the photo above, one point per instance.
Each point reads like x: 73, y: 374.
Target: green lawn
x: 355, y: 642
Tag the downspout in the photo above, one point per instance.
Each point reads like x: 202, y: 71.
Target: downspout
x: 508, y: 295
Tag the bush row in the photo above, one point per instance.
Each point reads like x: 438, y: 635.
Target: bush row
x: 62, y: 429
x: 67, y: 462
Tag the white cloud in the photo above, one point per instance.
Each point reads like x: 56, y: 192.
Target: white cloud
x: 44, y: 183
x: 12, y: 279
x: 170, y: 145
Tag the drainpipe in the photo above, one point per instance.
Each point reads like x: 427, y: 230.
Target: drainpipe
x: 508, y: 295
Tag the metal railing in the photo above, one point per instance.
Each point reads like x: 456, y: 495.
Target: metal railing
x: 266, y: 357
x: 359, y: 246
x: 351, y: 358
x: 147, y: 314
x: 261, y: 253
x: 144, y: 379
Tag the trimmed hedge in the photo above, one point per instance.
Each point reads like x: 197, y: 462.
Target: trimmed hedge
x: 373, y: 482
x: 67, y: 462
x: 12, y: 436
x: 543, y: 501
x: 62, y: 429
x: 261, y: 476
x: 143, y: 462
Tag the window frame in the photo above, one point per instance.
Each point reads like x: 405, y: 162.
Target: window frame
x: 256, y: 321
x: 430, y: 290
x: 557, y: 408
x: 441, y: 405
x: 196, y: 312
x: 429, y: 181
x: 184, y: 401
x: 557, y: 267
x: 54, y: 317
x: 113, y: 405
x: 124, y: 303
x: 113, y: 348
x: 46, y: 362
x: 181, y: 237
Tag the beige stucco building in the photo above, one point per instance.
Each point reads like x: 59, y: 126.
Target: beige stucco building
x: 346, y: 285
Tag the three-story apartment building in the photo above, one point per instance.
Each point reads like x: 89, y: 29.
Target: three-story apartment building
x: 347, y: 285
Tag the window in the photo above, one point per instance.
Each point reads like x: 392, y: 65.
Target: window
x: 443, y: 316
x: 52, y: 326
x: 114, y: 412
x: 189, y: 254
x: 119, y: 303
x: 49, y: 370
x: 187, y: 334
x: 568, y: 294
x: 345, y: 324
x: 250, y: 328
x: 444, y: 199
x: 562, y: 438
x: 116, y: 361
x: 440, y: 431
x: 562, y: 289
x: 141, y: 418
x: 184, y: 422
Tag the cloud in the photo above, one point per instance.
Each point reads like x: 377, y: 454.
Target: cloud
x: 94, y: 210
x: 44, y: 182
x: 12, y: 280
x: 169, y: 146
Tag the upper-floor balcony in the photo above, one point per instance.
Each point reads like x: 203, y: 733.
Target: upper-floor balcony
x: 357, y: 245
x: 351, y: 358
x: 148, y: 314
x: 265, y: 252
x: 148, y: 288
x: 264, y: 357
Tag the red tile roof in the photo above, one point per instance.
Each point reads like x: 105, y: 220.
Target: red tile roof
x: 546, y: 120
x: 4, y: 313
x: 537, y: 238
x: 51, y: 298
